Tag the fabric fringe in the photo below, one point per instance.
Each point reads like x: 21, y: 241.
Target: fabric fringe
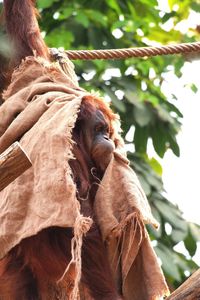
x: 134, y: 221
x: 81, y: 226
x: 130, y: 219
x: 126, y: 253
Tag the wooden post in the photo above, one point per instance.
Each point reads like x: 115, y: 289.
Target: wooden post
x: 189, y: 290
x: 13, y: 162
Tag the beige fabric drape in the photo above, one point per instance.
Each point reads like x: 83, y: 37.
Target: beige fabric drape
x: 40, y: 110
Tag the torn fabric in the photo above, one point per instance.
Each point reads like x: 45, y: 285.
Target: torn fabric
x: 40, y: 110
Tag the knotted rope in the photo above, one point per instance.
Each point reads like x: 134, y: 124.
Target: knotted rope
x: 131, y: 52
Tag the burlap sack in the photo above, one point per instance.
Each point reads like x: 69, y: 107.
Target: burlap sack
x: 40, y: 110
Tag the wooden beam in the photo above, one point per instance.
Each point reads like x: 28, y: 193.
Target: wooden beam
x: 189, y: 290
x: 13, y: 162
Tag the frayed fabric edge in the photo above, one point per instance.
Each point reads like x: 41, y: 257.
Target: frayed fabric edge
x: 81, y: 227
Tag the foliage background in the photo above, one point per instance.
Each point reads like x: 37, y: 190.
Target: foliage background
x: 134, y: 87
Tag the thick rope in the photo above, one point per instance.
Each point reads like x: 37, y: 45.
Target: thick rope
x: 131, y: 52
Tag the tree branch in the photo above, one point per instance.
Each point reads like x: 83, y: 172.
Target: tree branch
x: 189, y: 290
x: 13, y: 162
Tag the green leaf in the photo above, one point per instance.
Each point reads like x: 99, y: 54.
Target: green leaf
x: 159, y: 140
x: 59, y: 37
x: 191, y: 239
x: 195, y: 231
x: 171, y: 3
x: 154, y: 180
x: 178, y: 67
x: 82, y: 19
x: 142, y: 115
x: 178, y: 235
x: 140, y: 139
x: 168, y: 16
x: 93, y: 32
x: 164, y: 115
x: 181, y: 262
x: 66, y: 13
x: 97, y: 17
x: 132, y: 97
x: 171, y: 214
x: 153, y: 2
x: 168, y: 262
x: 173, y: 144
x: 195, y: 6
x: 190, y: 244
x: 156, y: 166
x: 45, y: 3
x: 173, y: 108
x: 194, y: 88
x: 114, y: 5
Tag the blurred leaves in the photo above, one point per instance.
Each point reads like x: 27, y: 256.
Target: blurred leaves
x: 141, y: 105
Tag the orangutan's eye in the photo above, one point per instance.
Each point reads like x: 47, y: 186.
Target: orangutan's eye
x: 101, y: 127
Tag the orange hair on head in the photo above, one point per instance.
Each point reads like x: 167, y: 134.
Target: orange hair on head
x: 99, y: 103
